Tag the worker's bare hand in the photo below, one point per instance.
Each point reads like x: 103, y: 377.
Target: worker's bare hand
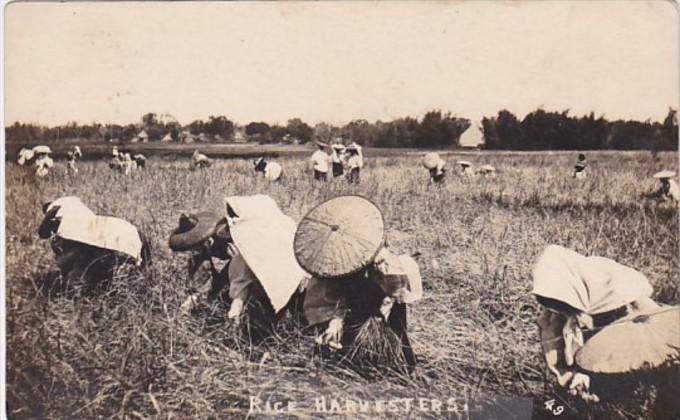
x: 235, y: 310
x: 232, y: 251
x: 580, y: 385
x: 331, y: 337
x: 386, y: 307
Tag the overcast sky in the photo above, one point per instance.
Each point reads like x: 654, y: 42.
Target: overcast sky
x: 337, y: 61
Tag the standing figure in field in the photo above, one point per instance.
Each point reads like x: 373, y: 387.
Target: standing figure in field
x: 597, y: 317
x: 71, y: 168
x: 43, y: 161
x: 128, y: 165
x: 466, y: 168
x: 357, y: 296
x: 200, y: 161
x: 320, y: 160
x: 116, y: 162
x: 580, y: 167
x: 355, y: 162
x: 89, y: 248
x: 71, y: 158
x: 669, y: 189
x: 25, y: 156
x: 272, y: 171
x: 337, y: 158
x: 435, y: 165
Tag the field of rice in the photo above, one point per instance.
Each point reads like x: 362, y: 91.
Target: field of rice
x: 127, y: 353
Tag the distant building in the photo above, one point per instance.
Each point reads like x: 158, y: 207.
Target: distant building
x: 167, y: 138
x: 473, y: 136
x: 240, y: 136
x: 290, y: 139
x: 186, y: 137
x: 141, y: 137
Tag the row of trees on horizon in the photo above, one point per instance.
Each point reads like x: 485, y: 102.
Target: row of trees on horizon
x: 539, y: 130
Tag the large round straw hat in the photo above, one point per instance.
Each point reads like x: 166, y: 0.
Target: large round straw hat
x: 664, y: 174
x: 464, y: 163
x: 42, y: 149
x: 431, y: 160
x: 194, y: 229
x: 339, y: 236
x: 646, y: 341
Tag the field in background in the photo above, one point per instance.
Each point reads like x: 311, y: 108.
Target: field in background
x: 127, y: 353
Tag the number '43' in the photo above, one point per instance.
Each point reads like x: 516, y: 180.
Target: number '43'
x: 556, y: 410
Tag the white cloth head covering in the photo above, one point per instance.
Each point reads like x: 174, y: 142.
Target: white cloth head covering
x: 393, y: 266
x: 591, y: 285
x: 264, y: 237
x: 272, y: 171
x: 80, y: 224
x: 25, y: 155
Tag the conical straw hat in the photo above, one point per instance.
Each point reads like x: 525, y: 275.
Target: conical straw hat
x: 42, y: 149
x: 664, y: 174
x: 430, y: 160
x: 646, y: 341
x: 339, y: 236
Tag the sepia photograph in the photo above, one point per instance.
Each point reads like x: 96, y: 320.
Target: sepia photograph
x: 341, y: 209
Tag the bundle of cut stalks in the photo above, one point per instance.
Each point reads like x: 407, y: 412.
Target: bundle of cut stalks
x: 377, y: 346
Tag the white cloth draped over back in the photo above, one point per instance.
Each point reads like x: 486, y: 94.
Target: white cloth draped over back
x: 80, y: 224
x: 591, y: 285
x: 264, y: 236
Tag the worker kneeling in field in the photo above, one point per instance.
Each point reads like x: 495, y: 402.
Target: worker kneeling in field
x: 355, y: 161
x: 43, y: 161
x: 597, y: 317
x: 205, y: 235
x: 669, y: 190
x: 200, y: 161
x: 256, y: 240
x: 358, y: 292
x: 272, y: 171
x: 580, y: 167
x: 89, y: 248
x: 466, y: 168
x: 435, y: 165
x: 25, y: 156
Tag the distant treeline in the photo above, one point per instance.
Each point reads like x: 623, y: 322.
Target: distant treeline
x: 539, y: 130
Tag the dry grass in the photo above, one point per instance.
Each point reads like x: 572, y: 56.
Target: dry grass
x: 125, y: 352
